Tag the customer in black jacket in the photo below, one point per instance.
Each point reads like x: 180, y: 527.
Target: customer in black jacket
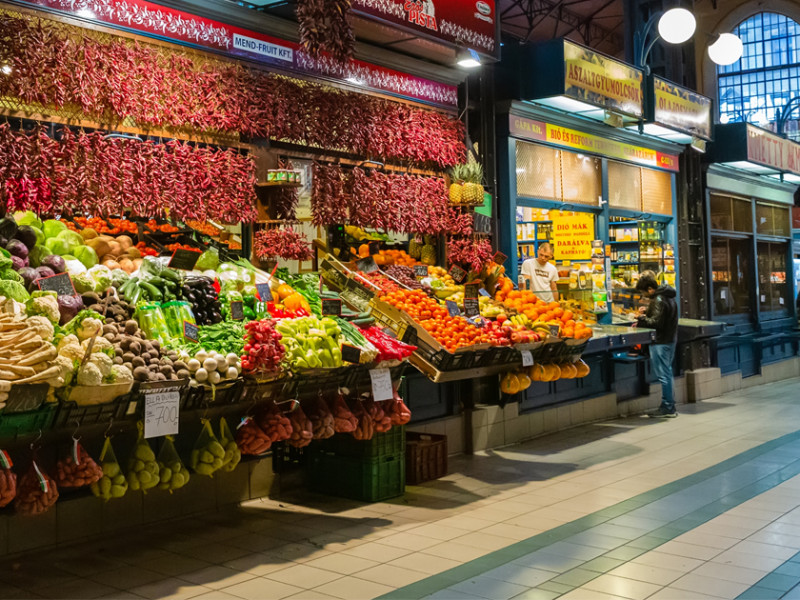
x: 661, y: 315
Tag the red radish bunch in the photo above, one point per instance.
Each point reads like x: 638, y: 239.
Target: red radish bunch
x: 263, y: 351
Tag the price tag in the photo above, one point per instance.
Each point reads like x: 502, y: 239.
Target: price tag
x: 61, y: 284
x: 483, y: 292
x: 471, y: 290
x: 763, y: 298
x: 781, y: 301
x: 237, y: 310
x: 555, y: 330
x: 527, y: 358
x: 190, y: 332
x: 410, y: 336
x: 381, y: 384
x: 331, y: 307
x: 499, y: 257
x: 26, y: 397
x: 471, y: 307
x: 161, y: 408
x: 420, y: 270
x: 452, y: 308
x: 184, y: 259
x: 367, y: 265
x: 264, y: 292
x: 351, y: 354
x: 457, y: 273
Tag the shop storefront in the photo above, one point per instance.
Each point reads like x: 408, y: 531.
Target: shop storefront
x: 603, y: 195
x: 138, y: 204
x: 750, y: 188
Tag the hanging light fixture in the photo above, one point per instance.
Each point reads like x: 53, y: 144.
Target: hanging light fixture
x: 726, y: 50
x: 467, y: 58
x: 676, y: 26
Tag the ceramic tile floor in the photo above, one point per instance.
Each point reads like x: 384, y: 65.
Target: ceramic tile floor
x: 703, y: 506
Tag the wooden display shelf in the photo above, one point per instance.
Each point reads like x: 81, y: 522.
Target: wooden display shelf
x: 437, y: 376
x: 283, y: 184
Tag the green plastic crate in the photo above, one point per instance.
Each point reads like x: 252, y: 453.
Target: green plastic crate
x: 13, y: 425
x: 368, y: 480
x: 382, y: 444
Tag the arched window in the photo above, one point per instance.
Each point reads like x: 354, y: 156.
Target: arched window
x: 759, y: 84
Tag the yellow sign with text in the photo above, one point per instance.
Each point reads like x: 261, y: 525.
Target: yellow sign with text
x: 572, y: 237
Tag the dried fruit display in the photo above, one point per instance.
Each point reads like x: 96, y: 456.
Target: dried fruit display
x: 324, y: 27
x: 391, y: 202
x: 282, y: 242
x: 88, y: 172
x: 57, y: 66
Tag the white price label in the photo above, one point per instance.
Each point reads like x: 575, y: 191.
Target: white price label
x: 527, y: 358
x: 763, y: 299
x: 781, y: 301
x: 161, y: 410
x: 381, y: 384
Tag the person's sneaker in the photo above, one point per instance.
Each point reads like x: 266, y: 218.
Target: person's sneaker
x: 662, y: 413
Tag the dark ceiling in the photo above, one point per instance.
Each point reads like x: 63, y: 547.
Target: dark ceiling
x: 595, y: 23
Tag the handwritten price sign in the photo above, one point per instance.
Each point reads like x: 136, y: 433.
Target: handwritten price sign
x: 161, y: 408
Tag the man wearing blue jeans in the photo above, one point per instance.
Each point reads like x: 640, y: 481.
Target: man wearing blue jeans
x: 661, y: 315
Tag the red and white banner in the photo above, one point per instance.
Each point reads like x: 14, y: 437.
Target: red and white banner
x: 472, y: 23
x: 150, y: 19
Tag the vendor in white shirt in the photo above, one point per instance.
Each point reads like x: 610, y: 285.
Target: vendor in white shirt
x: 541, y: 274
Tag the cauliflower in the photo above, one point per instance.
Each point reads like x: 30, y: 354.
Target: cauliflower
x: 42, y: 326
x: 12, y: 307
x: 67, y: 367
x: 72, y: 352
x: 101, y: 344
x: 45, y: 305
x: 89, y: 374
x: 103, y: 362
x: 68, y: 339
x: 88, y: 327
x: 120, y: 374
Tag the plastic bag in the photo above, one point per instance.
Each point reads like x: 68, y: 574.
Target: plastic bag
x: 381, y: 421
x: 208, y: 454
x: 77, y: 469
x: 172, y: 474
x: 321, y: 418
x: 232, y: 453
x: 344, y: 421
x: 113, y: 483
x: 37, y: 492
x: 302, y: 430
x: 142, y: 467
x: 251, y: 439
x: 366, y: 427
x: 398, y: 411
x: 274, y: 424
x: 8, y: 479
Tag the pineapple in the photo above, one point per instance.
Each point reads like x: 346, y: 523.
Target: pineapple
x: 457, y: 187
x: 428, y: 254
x: 414, y: 248
x: 473, y: 186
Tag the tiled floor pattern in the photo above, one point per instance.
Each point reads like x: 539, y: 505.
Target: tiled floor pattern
x: 605, y: 501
